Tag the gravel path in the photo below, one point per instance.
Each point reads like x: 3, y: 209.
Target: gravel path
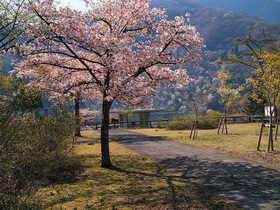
x: 250, y: 184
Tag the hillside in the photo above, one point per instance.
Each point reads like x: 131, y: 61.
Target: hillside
x: 269, y: 10
x: 219, y: 29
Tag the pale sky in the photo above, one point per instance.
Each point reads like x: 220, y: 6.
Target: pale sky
x: 75, y: 4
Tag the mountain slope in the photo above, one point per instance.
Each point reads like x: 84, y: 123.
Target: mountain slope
x: 219, y: 28
x: 266, y: 9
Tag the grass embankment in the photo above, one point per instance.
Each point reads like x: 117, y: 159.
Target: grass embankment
x: 134, y: 183
x: 241, y: 141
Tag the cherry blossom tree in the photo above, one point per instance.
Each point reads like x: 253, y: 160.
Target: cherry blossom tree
x: 120, y: 50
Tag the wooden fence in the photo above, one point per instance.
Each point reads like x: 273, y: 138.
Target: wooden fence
x: 163, y: 123
x: 133, y: 124
x: 246, y: 119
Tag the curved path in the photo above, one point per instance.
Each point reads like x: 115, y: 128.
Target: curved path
x: 250, y: 184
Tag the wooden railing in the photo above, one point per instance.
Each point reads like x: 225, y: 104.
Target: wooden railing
x: 246, y: 119
x: 163, y: 123
x: 133, y: 124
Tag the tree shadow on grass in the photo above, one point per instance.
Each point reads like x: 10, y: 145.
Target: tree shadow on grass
x: 173, y: 192
x: 89, y: 142
x: 134, y: 139
x: 144, y: 186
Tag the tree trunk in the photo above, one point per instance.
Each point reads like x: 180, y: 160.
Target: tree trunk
x: 195, y: 125
x: 77, y: 116
x: 225, y: 121
x: 106, y: 162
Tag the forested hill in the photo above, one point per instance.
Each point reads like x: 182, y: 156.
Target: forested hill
x: 267, y: 9
x: 219, y: 28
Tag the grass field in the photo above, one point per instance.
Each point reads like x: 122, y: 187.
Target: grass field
x: 241, y: 141
x: 134, y: 182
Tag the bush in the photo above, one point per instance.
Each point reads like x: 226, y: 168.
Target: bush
x: 161, y: 123
x: 33, y: 152
x: 210, y: 121
x: 180, y: 123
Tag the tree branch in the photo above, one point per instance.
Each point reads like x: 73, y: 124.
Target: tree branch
x: 71, y: 50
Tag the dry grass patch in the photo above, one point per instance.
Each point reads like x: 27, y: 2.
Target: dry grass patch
x: 134, y: 183
x: 241, y: 141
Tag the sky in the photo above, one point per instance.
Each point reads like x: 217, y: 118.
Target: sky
x: 75, y: 4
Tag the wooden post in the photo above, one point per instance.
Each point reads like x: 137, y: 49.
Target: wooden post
x: 192, y: 131
x: 223, y: 126
x: 269, y: 139
x: 195, y: 130
x: 225, y: 122
x: 276, y: 129
x: 219, y: 126
x: 260, y: 136
x: 226, y: 126
x: 272, y: 144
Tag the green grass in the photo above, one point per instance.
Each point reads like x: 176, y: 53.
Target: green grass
x: 134, y: 182
x: 241, y: 141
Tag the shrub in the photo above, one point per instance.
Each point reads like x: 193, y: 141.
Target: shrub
x: 33, y: 152
x: 180, y: 123
x: 161, y: 123
x: 210, y: 121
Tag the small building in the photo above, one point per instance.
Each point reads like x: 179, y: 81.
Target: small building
x: 141, y: 118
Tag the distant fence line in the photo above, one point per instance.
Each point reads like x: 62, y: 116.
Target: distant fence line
x: 132, y: 124
x: 163, y: 123
x: 246, y: 119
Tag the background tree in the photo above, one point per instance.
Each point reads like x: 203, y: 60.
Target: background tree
x: 261, y: 58
x: 227, y: 93
x: 13, y: 20
x: 194, y: 100
x: 14, y: 92
x: 253, y: 107
x: 54, y: 84
x: 237, y: 107
x: 123, y: 49
x: 266, y: 79
x: 251, y: 58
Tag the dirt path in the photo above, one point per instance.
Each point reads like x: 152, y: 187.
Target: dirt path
x: 250, y: 184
